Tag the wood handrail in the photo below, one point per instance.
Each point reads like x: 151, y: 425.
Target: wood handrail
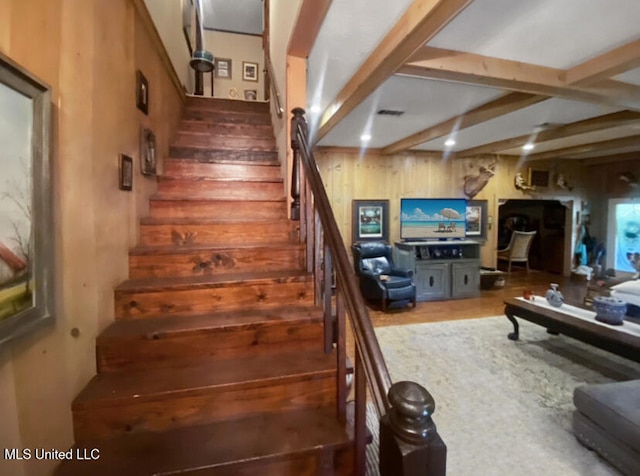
x: 374, y: 364
x: 274, y: 85
x: 408, y: 436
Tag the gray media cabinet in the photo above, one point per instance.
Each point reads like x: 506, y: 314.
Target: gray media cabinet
x: 442, y: 269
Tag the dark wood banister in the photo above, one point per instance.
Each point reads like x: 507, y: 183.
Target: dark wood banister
x: 409, y: 442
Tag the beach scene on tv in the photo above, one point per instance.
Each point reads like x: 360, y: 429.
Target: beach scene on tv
x: 432, y: 218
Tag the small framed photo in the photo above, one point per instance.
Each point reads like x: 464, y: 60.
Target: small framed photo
x: 148, y: 152
x: 126, y: 172
x: 142, y: 92
x: 250, y: 94
x: 370, y: 220
x: 477, y: 219
x: 223, y: 68
x: 249, y: 71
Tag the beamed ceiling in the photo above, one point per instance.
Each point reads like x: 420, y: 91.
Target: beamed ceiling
x: 491, y: 74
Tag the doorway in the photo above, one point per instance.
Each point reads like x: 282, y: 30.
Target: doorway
x: 547, y: 218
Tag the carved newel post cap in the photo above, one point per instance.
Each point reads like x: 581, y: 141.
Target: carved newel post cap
x: 410, y: 415
x: 298, y: 111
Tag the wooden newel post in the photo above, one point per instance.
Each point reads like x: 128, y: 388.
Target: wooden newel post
x: 297, y: 119
x: 409, y: 442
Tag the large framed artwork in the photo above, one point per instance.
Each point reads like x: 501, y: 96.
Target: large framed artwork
x: 477, y: 219
x: 26, y: 226
x: 370, y: 220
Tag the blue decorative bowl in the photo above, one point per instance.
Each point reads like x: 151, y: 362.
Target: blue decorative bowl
x: 609, y: 310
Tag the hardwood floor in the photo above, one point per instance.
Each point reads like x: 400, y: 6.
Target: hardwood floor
x: 490, y: 302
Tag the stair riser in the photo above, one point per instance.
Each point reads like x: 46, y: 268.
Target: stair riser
x: 217, y: 210
x: 203, y: 405
x: 118, y: 354
x: 138, y: 305
x: 220, y: 190
x: 224, y: 142
x: 205, y: 116
x: 194, y: 169
x: 228, y: 233
x: 227, y: 106
x: 327, y: 461
x: 227, y: 129
x: 215, y: 262
x: 204, y: 154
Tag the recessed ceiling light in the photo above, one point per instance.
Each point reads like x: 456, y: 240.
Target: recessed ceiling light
x: 365, y: 137
x: 315, y: 109
x: 528, y: 146
x: 450, y: 143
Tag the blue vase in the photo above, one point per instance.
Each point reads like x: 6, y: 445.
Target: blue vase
x: 553, y: 296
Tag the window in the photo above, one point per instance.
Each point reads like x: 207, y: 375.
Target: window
x: 623, y: 233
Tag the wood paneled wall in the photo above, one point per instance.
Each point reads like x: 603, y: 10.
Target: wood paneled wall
x: 88, y: 52
x: 350, y: 175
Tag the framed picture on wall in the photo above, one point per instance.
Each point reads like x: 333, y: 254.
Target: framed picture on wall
x: 477, y: 219
x: 148, y: 152
x: 142, y: 92
x: 126, y: 172
x: 223, y: 68
x: 249, y: 71
x: 26, y: 217
x: 250, y: 94
x: 370, y: 220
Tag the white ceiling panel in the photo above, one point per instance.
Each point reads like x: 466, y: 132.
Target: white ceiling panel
x: 426, y: 103
x: 553, y: 33
x: 632, y: 77
x: 350, y: 31
x: 521, y: 122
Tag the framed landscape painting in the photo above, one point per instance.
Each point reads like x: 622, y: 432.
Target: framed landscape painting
x: 477, y: 219
x: 26, y: 227
x: 370, y: 220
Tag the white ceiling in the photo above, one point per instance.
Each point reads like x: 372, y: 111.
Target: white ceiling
x: 558, y: 34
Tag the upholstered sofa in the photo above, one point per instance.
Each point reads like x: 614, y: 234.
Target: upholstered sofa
x: 607, y: 420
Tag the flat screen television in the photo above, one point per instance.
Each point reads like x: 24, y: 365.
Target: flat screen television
x: 432, y: 218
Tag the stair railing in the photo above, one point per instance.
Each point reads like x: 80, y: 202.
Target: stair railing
x: 275, y: 92
x: 409, y: 444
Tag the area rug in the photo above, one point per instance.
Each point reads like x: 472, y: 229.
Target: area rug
x: 502, y: 407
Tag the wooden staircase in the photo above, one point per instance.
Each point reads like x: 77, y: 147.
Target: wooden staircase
x: 214, y: 365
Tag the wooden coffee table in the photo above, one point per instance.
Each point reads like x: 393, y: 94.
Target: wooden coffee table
x: 577, y: 322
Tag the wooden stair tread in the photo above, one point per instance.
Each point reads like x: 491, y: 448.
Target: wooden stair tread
x: 186, y: 249
x: 216, y: 160
x: 192, y: 282
x: 161, y: 197
x: 205, y: 221
x: 208, y: 446
x: 239, y: 180
x: 161, y: 327
x: 243, y: 372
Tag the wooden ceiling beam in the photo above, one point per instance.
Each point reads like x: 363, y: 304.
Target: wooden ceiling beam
x: 611, y: 63
x: 422, y: 20
x: 498, y: 107
x: 593, y: 124
x: 609, y: 159
x: 308, y: 23
x: 447, y: 65
x: 632, y: 141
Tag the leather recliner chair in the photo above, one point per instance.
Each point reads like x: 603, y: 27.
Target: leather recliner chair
x: 379, y: 278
